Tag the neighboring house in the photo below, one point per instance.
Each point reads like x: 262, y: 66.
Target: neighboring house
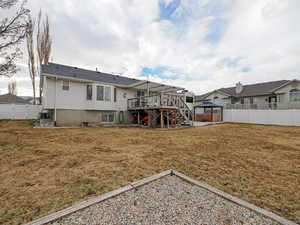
x: 30, y: 99
x: 73, y: 96
x: 274, y: 92
x: 12, y: 99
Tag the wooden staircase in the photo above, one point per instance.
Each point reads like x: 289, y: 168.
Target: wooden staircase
x: 184, y: 114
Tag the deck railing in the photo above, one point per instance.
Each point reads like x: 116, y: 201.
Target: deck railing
x: 157, y: 101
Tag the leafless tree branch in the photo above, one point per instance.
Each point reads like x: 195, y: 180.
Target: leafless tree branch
x: 12, y: 33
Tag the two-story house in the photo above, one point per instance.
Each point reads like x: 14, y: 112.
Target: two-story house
x: 73, y: 96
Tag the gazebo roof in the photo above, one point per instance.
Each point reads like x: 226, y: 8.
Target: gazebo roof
x: 208, y: 105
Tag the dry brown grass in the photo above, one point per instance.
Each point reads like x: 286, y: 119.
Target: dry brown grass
x: 45, y: 170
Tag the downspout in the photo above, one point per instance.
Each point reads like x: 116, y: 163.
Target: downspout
x: 55, y: 102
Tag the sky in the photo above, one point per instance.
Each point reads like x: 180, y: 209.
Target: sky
x: 200, y: 45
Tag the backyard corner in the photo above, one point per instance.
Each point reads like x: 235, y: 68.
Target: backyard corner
x: 45, y: 170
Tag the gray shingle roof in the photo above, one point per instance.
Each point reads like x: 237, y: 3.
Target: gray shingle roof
x: 265, y: 88
x: 258, y: 89
x: 201, y: 97
x: 78, y: 73
x: 12, y: 99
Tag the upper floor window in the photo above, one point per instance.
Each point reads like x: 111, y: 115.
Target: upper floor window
x: 140, y: 93
x: 65, y: 85
x: 89, y: 92
x: 115, y: 94
x: 100, y: 93
x: 294, y: 95
x: 107, y: 93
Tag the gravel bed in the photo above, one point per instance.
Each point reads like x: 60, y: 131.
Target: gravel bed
x: 168, y: 200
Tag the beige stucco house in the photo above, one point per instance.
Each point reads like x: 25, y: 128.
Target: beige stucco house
x: 275, y: 92
x: 73, y: 96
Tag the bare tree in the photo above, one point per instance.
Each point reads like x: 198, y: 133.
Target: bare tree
x: 44, y: 46
x: 12, y: 32
x: 31, y: 55
x: 12, y: 88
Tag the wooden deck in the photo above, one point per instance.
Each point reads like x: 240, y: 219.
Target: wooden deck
x: 164, y: 110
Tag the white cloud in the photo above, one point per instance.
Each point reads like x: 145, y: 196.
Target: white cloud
x: 125, y: 36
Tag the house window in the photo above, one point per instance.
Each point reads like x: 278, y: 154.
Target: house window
x: 115, y: 94
x: 108, y: 117
x: 242, y: 100
x: 189, y: 99
x: 89, y: 92
x: 294, y: 95
x: 234, y: 100
x: 107, y: 93
x: 100, y: 93
x: 251, y: 100
x: 65, y: 85
x: 140, y: 93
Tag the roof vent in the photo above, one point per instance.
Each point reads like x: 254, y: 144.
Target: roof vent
x: 238, y: 88
x: 75, y: 67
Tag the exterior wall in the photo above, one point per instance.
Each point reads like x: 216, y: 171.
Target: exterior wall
x: 19, y: 112
x: 75, y: 97
x: 285, y: 91
x: 268, y: 117
x: 70, y: 117
x: 260, y: 100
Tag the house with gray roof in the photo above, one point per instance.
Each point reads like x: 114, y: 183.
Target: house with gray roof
x: 73, y: 96
x: 274, y: 92
x: 12, y: 99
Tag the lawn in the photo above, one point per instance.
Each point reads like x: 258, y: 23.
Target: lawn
x: 45, y: 170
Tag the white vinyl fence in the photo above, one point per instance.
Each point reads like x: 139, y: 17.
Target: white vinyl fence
x: 19, y: 112
x: 290, y: 117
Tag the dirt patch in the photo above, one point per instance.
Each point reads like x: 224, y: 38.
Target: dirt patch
x: 45, y: 170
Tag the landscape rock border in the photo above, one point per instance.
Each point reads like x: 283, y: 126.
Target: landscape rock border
x: 134, y: 185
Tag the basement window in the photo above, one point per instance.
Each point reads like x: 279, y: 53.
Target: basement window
x: 108, y: 117
x: 65, y: 85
